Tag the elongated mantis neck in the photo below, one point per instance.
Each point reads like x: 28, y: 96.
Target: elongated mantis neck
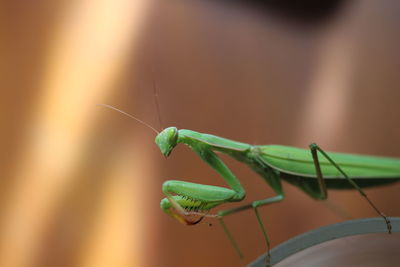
x: 205, y: 145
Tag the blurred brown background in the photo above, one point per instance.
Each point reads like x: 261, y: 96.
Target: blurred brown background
x: 80, y: 185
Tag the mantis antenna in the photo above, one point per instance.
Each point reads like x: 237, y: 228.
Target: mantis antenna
x: 157, y: 104
x: 130, y: 116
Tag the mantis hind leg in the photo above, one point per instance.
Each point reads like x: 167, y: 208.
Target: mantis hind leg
x: 314, y: 151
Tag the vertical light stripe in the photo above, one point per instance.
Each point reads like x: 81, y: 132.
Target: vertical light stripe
x: 90, y: 47
x: 326, y: 103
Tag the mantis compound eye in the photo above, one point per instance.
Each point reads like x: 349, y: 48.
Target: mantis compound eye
x: 167, y: 140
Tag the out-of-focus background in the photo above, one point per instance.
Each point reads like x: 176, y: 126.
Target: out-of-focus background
x: 81, y: 184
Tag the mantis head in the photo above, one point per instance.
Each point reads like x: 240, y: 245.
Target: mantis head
x: 167, y: 140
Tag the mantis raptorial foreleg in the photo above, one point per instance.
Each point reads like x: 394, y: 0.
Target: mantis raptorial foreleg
x: 218, y: 195
x: 314, y: 151
x: 194, y: 199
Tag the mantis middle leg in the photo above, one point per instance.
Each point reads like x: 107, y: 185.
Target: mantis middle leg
x: 269, y: 175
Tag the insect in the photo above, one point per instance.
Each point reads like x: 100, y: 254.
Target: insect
x: 312, y: 170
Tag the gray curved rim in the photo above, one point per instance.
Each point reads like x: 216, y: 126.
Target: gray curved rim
x: 327, y: 233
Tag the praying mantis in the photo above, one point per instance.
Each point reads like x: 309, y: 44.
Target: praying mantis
x: 312, y: 170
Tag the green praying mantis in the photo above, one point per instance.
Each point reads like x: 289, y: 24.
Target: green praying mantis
x: 312, y: 170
